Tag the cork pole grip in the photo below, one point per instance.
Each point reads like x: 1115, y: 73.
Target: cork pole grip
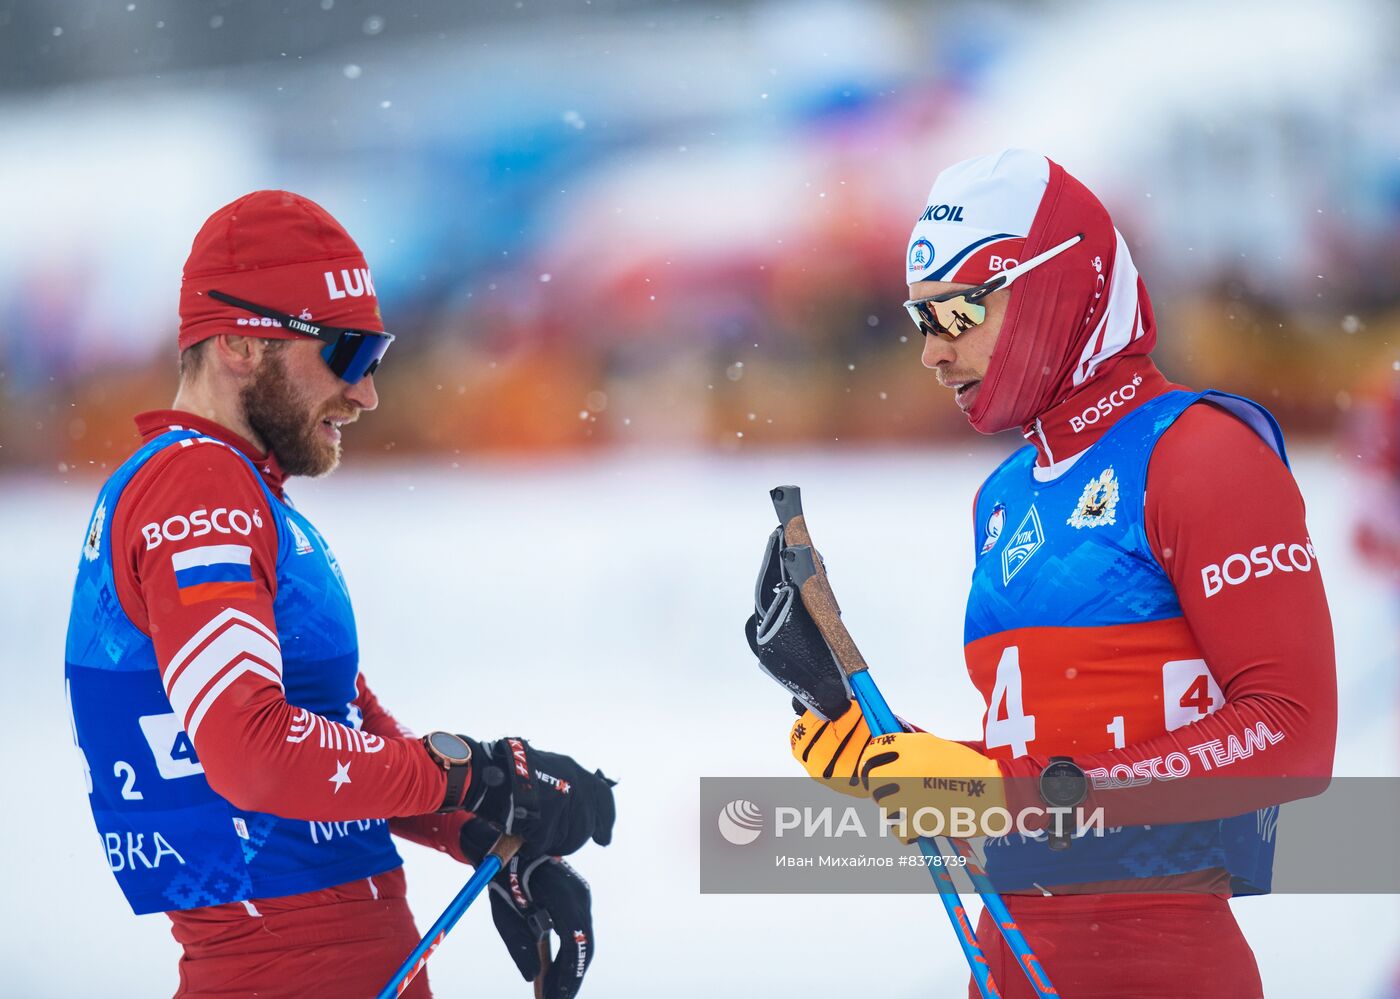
x: 507, y: 846
x: 805, y: 567
x: 545, y: 958
x: 821, y: 604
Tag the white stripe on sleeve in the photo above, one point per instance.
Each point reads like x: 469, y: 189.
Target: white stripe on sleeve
x: 231, y: 644
x: 215, y: 623
x: 233, y: 672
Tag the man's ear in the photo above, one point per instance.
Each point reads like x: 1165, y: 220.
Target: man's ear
x: 239, y: 355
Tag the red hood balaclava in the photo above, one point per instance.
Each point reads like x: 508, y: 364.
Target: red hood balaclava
x: 1066, y: 318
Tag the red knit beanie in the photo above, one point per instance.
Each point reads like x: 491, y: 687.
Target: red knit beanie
x: 281, y: 250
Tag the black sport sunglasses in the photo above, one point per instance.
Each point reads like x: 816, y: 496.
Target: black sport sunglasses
x: 350, y: 353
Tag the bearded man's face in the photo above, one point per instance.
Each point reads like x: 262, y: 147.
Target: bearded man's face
x: 297, y: 406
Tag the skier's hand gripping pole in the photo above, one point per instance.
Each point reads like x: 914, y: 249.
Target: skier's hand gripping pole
x: 803, y: 567
x: 535, y: 898
x: 490, y: 866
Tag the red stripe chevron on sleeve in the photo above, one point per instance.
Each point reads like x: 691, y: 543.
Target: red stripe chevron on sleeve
x: 230, y: 644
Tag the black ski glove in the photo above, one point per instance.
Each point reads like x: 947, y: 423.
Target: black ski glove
x: 547, y: 799
x: 533, y: 894
x: 787, y: 642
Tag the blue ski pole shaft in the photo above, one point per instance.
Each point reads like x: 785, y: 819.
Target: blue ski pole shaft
x: 1005, y: 922
x: 820, y: 602
x: 882, y: 721
x: 415, y: 962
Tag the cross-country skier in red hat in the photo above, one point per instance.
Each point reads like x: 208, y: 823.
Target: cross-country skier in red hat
x: 243, y: 776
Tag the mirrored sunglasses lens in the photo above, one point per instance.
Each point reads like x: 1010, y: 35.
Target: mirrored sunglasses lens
x: 917, y: 312
x: 958, y: 315
x: 355, y: 355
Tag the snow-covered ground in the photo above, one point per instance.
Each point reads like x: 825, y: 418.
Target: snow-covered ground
x: 596, y: 607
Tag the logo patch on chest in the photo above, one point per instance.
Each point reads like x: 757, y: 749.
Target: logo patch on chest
x: 302, y: 542
x: 93, y: 547
x: 995, y: 523
x: 1025, y: 542
x: 1098, y: 504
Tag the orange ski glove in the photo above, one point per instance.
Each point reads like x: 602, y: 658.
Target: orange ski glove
x: 830, y: 750
x: 935, y: 786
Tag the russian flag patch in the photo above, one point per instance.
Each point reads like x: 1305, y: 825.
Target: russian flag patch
x: 214, y: 572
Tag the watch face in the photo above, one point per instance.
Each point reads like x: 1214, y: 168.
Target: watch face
x: 450, y: 747
x: 1063, y: 784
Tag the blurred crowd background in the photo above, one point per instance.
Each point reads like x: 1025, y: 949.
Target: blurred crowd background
x: 620, y: 223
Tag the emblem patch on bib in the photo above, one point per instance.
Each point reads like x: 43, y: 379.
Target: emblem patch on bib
x: 303, y: 543
x: 994, y: 525
x: 1098, y: 504
x: 1025, y: 542
x: 93, y: 548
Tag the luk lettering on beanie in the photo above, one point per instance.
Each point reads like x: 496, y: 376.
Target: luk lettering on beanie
x: 281, y: 250
x: 1067, y: 317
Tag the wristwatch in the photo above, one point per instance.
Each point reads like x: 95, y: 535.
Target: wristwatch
x: 1062, y: 786
x: 453, y: 754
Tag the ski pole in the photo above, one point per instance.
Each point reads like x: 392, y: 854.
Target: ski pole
x: 489, y: 867
x: 819, y: 600
x: 882, y: 721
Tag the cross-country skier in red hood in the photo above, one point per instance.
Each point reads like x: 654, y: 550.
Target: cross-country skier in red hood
x: 1170, y: 623
x: 1071, y: 324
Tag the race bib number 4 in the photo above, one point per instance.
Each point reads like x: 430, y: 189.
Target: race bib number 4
x: 1007, y: 722
x: 170, y: 745
x: 1189, y: 692
x: 1076, y: 691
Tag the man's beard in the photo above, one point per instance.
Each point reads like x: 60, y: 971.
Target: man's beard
x: 282, y: 417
